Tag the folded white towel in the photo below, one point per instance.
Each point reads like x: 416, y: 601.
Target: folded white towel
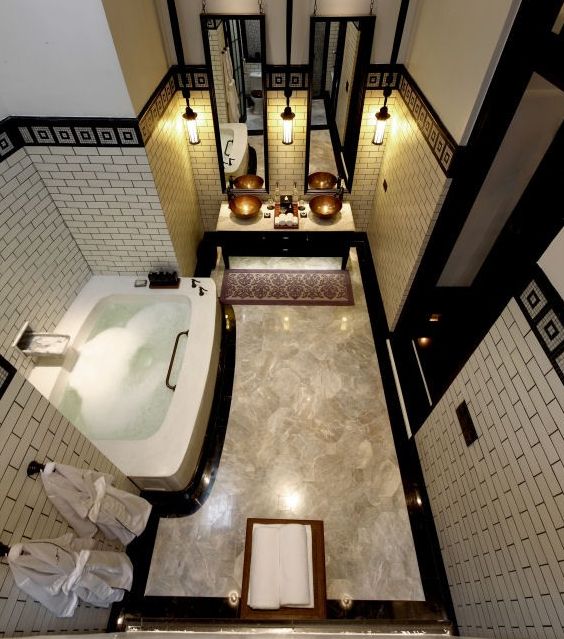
x: 264, y: 578
x: 294, y: 570
x: 281, y: 570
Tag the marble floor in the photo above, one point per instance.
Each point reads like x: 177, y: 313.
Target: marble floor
x: 318, y: 115
x: 308, y: 437
x: 321, y: 156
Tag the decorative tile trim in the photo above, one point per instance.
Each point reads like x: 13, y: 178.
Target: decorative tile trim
x: 438, y: 138
x: 9, y: 139
x: 156, y: 106
x: 383, y: 76
x: 544, y: 309
x: 7, y: 371
x: 192, y: 77
x: 276, y: 77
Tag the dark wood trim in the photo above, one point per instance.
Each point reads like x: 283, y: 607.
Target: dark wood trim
x: 519, y: 59
x: 400, y: 25
x: 175, y: 28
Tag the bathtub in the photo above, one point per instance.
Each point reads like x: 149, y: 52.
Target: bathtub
x: 157, y: 445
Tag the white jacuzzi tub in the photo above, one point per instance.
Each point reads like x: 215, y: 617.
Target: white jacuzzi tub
x: 157, y: 444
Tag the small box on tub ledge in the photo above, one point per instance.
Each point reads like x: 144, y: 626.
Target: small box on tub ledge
x: 163, y: 279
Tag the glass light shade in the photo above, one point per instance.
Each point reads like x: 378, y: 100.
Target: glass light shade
x: 287, y: 125
x: 381, y: 118
x: 192, y: 125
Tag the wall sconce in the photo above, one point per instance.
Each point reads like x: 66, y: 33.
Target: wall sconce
x: 287, y: 121
x: 191, y: 118
x: 381, y: 118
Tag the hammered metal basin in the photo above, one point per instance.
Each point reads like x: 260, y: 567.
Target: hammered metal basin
x: 325, y: 206
x: 245, y: 206
x: 322, y: 180
x: 248, y: 182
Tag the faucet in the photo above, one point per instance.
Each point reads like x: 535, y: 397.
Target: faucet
x: 202, y: 290
x: 194, y: 282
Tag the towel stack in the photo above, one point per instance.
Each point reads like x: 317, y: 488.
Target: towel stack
x: 281, y: 572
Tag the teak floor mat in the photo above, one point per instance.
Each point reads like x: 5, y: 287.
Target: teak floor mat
x: 292, y: 287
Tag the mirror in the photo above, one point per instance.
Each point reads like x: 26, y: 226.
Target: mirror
x: 235, y: 50
x: 339, y: 57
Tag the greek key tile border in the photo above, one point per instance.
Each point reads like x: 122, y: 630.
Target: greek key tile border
x: 276, y: 77
x: 544, y: 309
x: 7, y: 371
x: 157, y: 105
x: 9, y: 142
x: 440, y: 141
x: 382, y: 76
x: 192, y: 77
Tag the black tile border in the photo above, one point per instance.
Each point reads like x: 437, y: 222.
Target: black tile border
x: 145, y: 613
x: 298, y: 77
x: 7, y: 372
x: 440, y: 141
x: 544, y: 310
x: 10, y: 141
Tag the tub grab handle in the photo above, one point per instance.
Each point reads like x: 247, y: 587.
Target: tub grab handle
x: 167, y: 381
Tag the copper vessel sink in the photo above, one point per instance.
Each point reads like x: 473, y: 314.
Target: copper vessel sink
x: 248, y: 182
x: 322, y: 180
x: 245, y: 206
x: 325, y: 206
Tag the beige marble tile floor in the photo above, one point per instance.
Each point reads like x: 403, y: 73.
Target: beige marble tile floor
x: 308, y: 437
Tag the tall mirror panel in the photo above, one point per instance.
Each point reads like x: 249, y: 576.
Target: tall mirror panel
x: 339, y: 56
x: 235, y: 54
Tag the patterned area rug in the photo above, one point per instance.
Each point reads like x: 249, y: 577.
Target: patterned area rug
x: 303, y: 288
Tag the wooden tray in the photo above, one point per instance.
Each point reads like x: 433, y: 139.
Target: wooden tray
x: 319, y: 610
x: 277, y: 211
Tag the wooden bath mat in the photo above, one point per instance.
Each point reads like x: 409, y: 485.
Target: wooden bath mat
x: 291, y: 288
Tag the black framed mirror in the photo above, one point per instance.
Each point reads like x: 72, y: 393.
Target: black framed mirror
x: 235, y: 50
x: 339, y: 57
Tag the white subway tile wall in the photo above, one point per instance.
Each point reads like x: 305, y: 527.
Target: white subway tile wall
x: 108, y: 199
x: 286, y: 162
x: 498, y: 505
x: 368, y: 161
x: 171, y: 165
x: 217, y: 44
x: 403, y: 218
x: 32, y: 429
x: 42, y: 266
x: 348, y: 68
x: 205, y: 162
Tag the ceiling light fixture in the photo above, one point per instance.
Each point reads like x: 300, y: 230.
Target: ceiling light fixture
x: 191, y: 118
x: 381, y: 119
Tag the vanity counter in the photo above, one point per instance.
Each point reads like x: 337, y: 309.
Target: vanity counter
x: 343, y: 221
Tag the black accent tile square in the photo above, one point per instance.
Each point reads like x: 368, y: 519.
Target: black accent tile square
x: 466, y: 424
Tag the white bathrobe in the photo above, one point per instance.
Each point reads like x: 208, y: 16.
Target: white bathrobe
x: 87, y: 500
x: 231, y: 95
x: 59, y: 572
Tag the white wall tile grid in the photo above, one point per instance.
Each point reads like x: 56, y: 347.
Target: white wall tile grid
x: 42, y: 266
x: 369, y: 159
x: 403, y: 218
x: 205, y: 162
x: 217, y: 44
x: 109, y: 202
x: 171, y: 165
x: 31, y: 428
x: 348, y: 68
x: 498, y: 505
x: 286, y: 162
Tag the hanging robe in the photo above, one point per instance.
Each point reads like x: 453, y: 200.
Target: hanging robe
x: 58, y: 572
x: 88, y: 501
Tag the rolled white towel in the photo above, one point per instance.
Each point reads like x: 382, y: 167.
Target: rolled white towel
x: 294, y: 566
x: 264, y: 578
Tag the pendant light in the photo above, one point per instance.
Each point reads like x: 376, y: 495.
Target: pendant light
x: 191, y: 118
x: 287, y: 120
x: 288, y: 115
x: 381, y: 119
